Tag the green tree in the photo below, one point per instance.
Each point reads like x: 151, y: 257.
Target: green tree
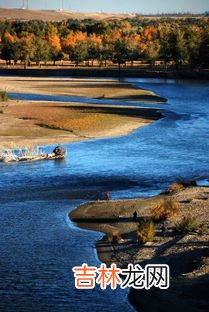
x: 80, y: 53
x: 203, y: 57
x: 151, y: 53
x: 106, y: 53
x: 41, y: 51
x: 173, y: 46
x: 27, y: 49
x: 120, y: 55
x: 8, y: 51
x: 193, y: 39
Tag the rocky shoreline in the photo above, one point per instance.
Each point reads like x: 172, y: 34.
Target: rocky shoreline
x: 186, y: 254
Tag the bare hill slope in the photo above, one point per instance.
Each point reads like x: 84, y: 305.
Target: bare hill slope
x: 52, y: 15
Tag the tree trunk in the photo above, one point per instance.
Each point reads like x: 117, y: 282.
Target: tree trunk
x: 119, y: 67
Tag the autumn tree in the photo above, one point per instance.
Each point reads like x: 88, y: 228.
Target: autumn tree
x: 74, y: 42
x: 55, y: 48
x: 173, y: 41
x: 94, y: 47
x: 132, y: 42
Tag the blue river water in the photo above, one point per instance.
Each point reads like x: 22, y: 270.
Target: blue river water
x: 39, y: 245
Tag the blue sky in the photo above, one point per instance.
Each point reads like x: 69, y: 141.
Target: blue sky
x: 138, y: 6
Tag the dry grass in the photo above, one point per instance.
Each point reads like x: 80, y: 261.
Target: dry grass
x: 66, y: 118
x: 167, y: 207
x: 186, y: 224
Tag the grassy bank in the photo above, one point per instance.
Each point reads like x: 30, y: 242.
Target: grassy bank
x: 25, y: 123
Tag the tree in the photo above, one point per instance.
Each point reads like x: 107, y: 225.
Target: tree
x: 94, y: 47
x: 80, y: 53
x: 106, y: 53
x: 55, y: 48
x: 74, y: 42
x: 9, y: 49
x: 27, y: 48
x: 132, y: 42
x: 120, y: 55
x: 165, y: 52
x: 152, y: 52
x: 173, y: 46
x: 203, y: 57
x: 179, y: 48
x: 193, y: 40
x: 41, y: 51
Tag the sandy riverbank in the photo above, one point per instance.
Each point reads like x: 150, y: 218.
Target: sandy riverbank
x: 29, y: 123
x: 25, y: 123
x: 187, y: 255
x: 82, y: 87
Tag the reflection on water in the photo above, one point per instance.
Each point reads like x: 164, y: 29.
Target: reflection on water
x: 39, y: 245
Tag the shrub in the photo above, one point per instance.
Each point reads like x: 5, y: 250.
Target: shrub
x: 116, y: 237
x: 177, y: 186
x: 168, y: 207
x: 202, y: 229
x: 3, y: 96
x: 145, y: 232
x: 185, y: 225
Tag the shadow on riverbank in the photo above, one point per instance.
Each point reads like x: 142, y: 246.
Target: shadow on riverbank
x: 107, y: 72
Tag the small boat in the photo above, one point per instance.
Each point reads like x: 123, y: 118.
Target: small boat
x: 58, y: 153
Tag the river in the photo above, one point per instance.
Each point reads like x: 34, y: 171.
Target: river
x: 39, y: 244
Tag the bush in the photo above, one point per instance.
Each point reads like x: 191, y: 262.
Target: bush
x: 185, y: 225
x: 145, y: 232
x: 202, y: 229
x: 168, y: 207
x: 177, y: 186
x: 116, y: 237
x: 3, y: 96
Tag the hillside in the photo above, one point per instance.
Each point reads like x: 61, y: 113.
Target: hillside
x: 52, y: 15
x: 59, y: 15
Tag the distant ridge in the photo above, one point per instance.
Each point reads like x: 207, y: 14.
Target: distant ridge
x: 59, y: 15
x: 54, y: 15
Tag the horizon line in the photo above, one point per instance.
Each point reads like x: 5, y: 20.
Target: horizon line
x: 104, y: 12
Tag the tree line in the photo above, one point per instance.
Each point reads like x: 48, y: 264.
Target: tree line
x: 166, y: 40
